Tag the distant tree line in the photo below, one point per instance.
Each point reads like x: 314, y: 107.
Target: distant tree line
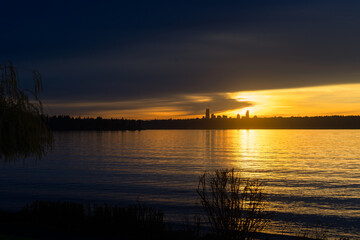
x: 67, y: 123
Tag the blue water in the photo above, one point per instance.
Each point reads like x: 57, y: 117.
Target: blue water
x: 311, y: 177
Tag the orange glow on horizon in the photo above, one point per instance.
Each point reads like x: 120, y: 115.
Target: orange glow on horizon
x: 341, y: 99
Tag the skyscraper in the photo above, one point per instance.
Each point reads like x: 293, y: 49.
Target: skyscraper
x: 207, y: 114
x: 247, y: 114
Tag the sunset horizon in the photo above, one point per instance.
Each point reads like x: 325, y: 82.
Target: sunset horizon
x: 288, y: 102
x: 180, y: 120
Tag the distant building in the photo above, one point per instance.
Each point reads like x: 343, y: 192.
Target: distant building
x: 238, y: 116
x: 213, y: 116
x: 247, y: 114
x: 207, y: 113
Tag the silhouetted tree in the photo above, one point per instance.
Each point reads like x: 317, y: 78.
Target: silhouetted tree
x: 23, y: 131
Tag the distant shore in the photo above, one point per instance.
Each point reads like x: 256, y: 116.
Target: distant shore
x: 67, y: 123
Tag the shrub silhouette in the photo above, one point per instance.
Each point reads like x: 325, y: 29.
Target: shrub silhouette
x: 234, y: 206
x: 23, y: 131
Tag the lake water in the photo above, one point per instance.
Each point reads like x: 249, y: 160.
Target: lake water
x: 311, y: 177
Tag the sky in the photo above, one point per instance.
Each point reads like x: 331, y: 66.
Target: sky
x: 173, y: 59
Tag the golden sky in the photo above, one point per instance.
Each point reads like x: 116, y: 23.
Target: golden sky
x: 341, y: 99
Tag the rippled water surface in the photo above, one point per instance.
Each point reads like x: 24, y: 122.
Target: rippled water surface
x: 312, y: 177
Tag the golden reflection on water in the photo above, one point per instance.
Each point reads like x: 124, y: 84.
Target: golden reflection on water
x: 246, y: 146
x: 299, y: 163
x: 296, y: 165
x: 304, y: 171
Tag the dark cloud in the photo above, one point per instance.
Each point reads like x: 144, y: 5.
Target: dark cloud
x: 191, y: 105
x: 217, y: 103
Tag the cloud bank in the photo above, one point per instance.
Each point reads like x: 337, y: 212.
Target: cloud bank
x: 177, y: 107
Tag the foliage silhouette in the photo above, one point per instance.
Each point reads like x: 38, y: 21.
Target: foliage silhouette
x: 103, y: 221
x: 23, y: 131
x: 234, y: 206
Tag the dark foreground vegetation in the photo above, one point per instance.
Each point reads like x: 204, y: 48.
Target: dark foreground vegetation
x: 234, y: 206
x: 67, y: 123
x: 66, y: 220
